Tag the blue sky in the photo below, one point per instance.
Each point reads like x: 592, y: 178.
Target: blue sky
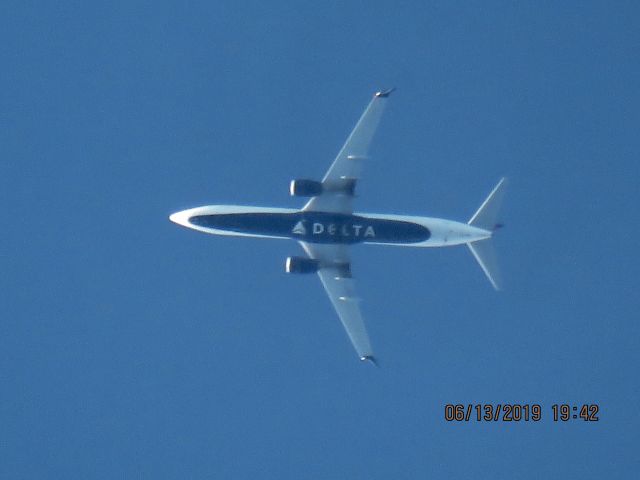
x: 132, y: 348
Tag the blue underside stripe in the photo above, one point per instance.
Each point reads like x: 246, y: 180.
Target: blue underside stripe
x: 316, y: 227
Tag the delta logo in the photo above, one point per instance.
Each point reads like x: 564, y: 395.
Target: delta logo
x: 332, y: 229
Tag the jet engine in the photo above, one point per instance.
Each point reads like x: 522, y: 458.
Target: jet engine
x: 301, y: 265
x: 305, y: 188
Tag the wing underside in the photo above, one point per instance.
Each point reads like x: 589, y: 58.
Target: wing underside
x: 335, y: 275
x: 339, y: 181
x: 338, y: 187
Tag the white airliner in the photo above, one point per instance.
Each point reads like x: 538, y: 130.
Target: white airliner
x: 326, y: 226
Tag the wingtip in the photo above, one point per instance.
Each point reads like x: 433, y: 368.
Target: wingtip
x: 370, y: 358
x: 384, y: 93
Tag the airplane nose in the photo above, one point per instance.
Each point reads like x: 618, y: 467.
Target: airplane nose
x: 181, y: 218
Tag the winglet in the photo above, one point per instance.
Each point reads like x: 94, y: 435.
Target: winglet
x: 371, y: 359
x: 384, y: 93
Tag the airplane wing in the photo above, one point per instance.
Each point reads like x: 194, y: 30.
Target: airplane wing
x: 339, y: 181
x: 335, y: 275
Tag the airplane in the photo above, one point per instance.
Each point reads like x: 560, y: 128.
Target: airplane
x: 327, y: 226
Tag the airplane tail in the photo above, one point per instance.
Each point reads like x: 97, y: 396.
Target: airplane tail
x: 487, y: 218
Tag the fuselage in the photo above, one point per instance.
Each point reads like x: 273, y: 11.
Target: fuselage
x: 328, y: 228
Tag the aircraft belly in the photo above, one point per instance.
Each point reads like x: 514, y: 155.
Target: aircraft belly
x: 313, y: 227
x: 443, y: 233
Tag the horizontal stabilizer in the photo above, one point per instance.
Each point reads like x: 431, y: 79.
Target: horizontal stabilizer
x: 485, y: 255
x: 487, y: 215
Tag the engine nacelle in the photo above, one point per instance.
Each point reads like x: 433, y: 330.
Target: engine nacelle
x: 305, y: 188
x: 301, y: 265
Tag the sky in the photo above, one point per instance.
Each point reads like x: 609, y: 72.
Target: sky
x: 133, y: 348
